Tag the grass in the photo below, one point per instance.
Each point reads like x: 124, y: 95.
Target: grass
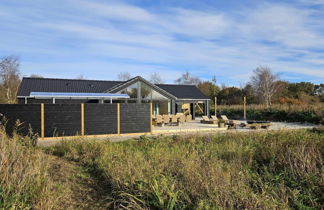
x: 265, y: 170
x: 260, y: 170
x: 24, y: 181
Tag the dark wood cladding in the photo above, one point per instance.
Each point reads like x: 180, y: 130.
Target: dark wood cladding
x: 65, y: 119
x: 62, y: 119
x: 100, y: 119
x: 29, y: 116
x: 134, y: 118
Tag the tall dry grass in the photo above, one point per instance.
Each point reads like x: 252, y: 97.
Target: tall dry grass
x: 24, y: 180
x: 267, y: 170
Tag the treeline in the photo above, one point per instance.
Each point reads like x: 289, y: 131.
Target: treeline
x: 283, y: 92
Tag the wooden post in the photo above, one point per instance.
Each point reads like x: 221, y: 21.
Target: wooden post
x: 118, y: 118
x: 244, y: 107
x: 215, y: 106
x: 151, y: 121
x: 42, y: 122
x: 82, y: 119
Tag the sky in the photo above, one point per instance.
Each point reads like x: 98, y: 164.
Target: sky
x: 228, y: 39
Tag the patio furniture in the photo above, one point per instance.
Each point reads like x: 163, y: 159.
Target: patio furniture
x: 159, y: 120
x: 253, y: 124
x: 230, y: 123
x: 166, y: 119
x: 174, y: 120
x: 188, y: 118
x: 213, y: 117
x: 182, y: 119
x: 206, y: 120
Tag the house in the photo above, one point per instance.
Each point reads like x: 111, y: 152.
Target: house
x: 166, y: 98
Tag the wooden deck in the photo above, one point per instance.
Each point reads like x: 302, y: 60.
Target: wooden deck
x: 193, y: 126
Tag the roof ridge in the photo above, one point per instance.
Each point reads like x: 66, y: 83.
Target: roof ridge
x: 43, y: 78
x: 176, y: 84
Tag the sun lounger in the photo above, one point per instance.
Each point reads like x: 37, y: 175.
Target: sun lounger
x: 213, y: 117
x: 230, y: 123
x: 206, y: 120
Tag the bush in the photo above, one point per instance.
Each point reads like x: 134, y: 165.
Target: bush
x: 276, y: 115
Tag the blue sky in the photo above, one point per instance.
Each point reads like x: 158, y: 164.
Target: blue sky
x: 228, y: 39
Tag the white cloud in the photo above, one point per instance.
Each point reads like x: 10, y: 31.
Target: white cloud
x: 111, y: 37
x: 117, y: 11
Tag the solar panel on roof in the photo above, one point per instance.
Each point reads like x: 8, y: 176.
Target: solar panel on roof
x: 83, y: 95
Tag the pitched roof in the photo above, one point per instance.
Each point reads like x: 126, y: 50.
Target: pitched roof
x: 63, y: 85
x: 98, y: 86
x: 183, y: 91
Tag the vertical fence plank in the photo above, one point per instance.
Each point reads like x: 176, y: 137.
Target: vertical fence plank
x: 118, y: 118
x: 42, y: 122
x: 82, y: 119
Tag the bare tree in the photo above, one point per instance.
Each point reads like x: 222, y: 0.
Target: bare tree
x: 187, y: 79
x: 80, y: 77
x: 123, y: 76
x: 9, y: 78
x: 36, y: 76
x: 155, y: 78
x: 265, y: 84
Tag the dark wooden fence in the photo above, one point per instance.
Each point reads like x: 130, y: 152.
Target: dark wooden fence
x: 53, y: 120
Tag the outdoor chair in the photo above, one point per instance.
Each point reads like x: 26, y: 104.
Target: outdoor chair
x: 188, y: 118
x: 206, y: 120
x: 182, y: 118
x: 166, y: 119
x: 174, y: 120
x: 159, y: 120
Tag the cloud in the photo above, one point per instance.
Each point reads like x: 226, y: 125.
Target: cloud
x: 117, y: 11
x: 108, y: 37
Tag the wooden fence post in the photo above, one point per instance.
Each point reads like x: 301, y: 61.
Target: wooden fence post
x: 42, y: 122
x: 244, y: 107
x: 215, y: 106
x: 118, y: 118
x: 82, y: 119
x: 151, y: 121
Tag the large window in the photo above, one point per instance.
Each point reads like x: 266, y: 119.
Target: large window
x: 147, y: 93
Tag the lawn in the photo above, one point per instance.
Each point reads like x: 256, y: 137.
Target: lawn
x: 267, y: 170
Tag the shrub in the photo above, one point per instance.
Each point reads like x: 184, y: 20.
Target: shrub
x: 276, y: 115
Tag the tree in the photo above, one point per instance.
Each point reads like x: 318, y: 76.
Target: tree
x: 124, y: 76
x: 248, y: 92
x: 80, y: 77
x: 265, y: 84
x: 9, y: 78
x: 209, y: 88
x: 155, y: 78
x: 230, y: 95
x: 187, y: 79
x: 36, y: 76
